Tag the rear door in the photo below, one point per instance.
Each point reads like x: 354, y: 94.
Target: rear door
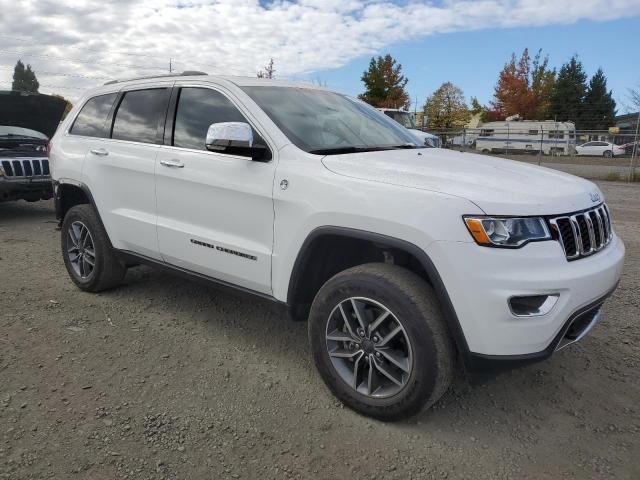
x: 120, y: 170
x: 215, y: 209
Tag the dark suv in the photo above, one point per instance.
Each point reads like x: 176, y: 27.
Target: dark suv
x: 27, y: 122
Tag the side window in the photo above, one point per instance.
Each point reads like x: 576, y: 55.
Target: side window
x: 90, y: 122
x: 197, y: 109
x: 486, y: 133
x: 139, y: 115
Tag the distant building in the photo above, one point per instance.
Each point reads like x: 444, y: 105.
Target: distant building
x: 627, y: 123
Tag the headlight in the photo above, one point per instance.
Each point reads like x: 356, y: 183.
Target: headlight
x: 507, y: 232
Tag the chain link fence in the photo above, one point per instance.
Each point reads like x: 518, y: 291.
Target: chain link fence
x: 596, y: 155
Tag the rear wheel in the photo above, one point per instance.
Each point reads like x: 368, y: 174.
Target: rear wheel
x: 379, y: 341
x: 90, y: 259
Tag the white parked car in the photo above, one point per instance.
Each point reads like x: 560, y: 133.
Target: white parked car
x: 600, y: 149
x: 408, y: 121
x: 408, y: 262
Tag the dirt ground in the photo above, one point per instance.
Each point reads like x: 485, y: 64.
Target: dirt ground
x: 167, y: 379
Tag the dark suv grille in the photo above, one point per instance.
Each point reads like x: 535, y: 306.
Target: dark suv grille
x: 584, y: 233
x: 26, y: 167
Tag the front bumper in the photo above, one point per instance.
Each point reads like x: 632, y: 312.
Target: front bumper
x: 480, y: 281
x: 25, y: 188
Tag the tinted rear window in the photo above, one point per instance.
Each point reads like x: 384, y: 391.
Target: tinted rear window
x: 139, y: 115
x: 90, y: 122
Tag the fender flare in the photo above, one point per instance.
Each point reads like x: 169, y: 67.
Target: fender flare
x: 57, y: 198
x: 448, y: 310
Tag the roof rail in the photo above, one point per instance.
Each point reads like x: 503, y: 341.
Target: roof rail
x: 186, y: 73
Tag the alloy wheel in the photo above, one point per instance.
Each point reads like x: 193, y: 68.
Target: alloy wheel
x: 81, y: 251
x: 368, y: 347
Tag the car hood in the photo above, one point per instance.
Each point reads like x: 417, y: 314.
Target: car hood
x: 497, y: 186
x: 38, y: 112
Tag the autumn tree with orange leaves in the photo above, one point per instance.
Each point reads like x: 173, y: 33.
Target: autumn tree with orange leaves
x: 524, y: 87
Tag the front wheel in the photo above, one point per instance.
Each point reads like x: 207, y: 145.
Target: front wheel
x: 608, y: 154
x: 379, y: 341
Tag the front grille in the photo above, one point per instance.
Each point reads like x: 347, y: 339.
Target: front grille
x: 585, y: 233
x: 26, y: 167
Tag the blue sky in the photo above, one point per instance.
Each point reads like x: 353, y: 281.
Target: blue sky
x: 463, y: 41
x: 472, y: 60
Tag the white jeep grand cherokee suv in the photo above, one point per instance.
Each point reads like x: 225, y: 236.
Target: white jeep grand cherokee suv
x: 408, y: 262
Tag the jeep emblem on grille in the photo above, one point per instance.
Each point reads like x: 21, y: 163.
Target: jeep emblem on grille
x: 595, y: 197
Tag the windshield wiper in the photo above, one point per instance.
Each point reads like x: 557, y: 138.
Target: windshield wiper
x: 405, y: 146
x: 355, y: 149
x: 341, y: 150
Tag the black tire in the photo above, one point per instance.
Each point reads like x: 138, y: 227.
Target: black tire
x: 414, y: 304
x: 108, y: 270
x: 607, y: 154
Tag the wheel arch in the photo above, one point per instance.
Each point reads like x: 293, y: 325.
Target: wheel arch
x: 318, y: 244
x: 68, y: 194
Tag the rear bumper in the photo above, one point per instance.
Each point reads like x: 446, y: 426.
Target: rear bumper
x: 25, y: 188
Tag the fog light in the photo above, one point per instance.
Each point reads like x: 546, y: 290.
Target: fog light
x: 533, y: 305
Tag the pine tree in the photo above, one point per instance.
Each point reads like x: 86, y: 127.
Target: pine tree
x: 24, y: 79
x: 599, y: 106
x: 385, y: 84
x: 567, y: 100
x: 446, y: 108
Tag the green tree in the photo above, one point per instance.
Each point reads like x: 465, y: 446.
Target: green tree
x: 543, y: 80
x: 24, y: 79
x: 385, y: 84
x: 478, y: 108
x: 446, y: 108
x: 567, y: 100
x: 599, y: 106
x: 269, y: 71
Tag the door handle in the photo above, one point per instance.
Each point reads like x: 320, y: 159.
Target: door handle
x: 101, y: 152
x: 172, y: 163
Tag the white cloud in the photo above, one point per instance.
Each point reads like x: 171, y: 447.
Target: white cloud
x: 118, y: 38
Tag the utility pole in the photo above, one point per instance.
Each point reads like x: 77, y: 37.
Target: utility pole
x: 632, y: 166
x: 170, y: 66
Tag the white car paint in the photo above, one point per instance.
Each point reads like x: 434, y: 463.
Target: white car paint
x: 600, y: 149
x: 418, y: 196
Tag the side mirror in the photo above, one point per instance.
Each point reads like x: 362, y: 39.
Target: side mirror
x: 223, y: 135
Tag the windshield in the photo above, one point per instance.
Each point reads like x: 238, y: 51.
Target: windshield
x: 322, y: 122
x: 403, y: 118
x: 11, y: 132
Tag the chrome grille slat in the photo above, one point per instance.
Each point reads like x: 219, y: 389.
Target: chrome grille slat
x: 590, y: 232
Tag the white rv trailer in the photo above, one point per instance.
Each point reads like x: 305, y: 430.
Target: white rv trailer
x: 534, y: 136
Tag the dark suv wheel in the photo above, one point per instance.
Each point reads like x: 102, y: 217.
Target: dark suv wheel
x: 88, y: 255
x: 379, y: 342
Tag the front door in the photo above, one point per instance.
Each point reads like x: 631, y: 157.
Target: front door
x: 214, y: 209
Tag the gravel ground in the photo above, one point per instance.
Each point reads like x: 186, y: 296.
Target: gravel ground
x: 595, y: 168
x: 167, y: 379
